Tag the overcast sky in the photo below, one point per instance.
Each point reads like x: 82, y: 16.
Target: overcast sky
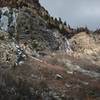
x: 75, y: 12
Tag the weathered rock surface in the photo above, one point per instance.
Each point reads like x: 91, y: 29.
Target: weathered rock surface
x: 56, y: 75
x: 23, y: 24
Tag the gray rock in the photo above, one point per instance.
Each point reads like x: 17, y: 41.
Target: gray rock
x: 58, y: 76
x: 28, y: 26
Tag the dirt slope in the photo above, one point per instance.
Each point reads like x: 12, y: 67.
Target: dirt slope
x: 41, y: 80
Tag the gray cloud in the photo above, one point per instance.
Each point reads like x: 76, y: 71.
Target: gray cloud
x: 75, y: 12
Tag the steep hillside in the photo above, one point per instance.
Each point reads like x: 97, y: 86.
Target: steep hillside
x: 43, y: 58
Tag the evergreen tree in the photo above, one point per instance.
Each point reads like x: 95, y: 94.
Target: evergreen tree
x: 65, y: 23
x: 60, y: 21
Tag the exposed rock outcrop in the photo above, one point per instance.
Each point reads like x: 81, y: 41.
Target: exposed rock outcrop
x: 25, y: 25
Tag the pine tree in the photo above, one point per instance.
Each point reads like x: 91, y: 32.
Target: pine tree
x: 60, y: 21
x: 65, y: 23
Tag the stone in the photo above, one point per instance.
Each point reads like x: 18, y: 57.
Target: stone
x: 58, y: 77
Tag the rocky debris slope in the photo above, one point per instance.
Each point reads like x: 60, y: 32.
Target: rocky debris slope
x: 8, y: 49
x: 85, y: 44
x: 41, y: 80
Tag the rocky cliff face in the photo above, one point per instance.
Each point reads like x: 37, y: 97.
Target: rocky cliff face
x: 25, y: 22
x: 27, y: 29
